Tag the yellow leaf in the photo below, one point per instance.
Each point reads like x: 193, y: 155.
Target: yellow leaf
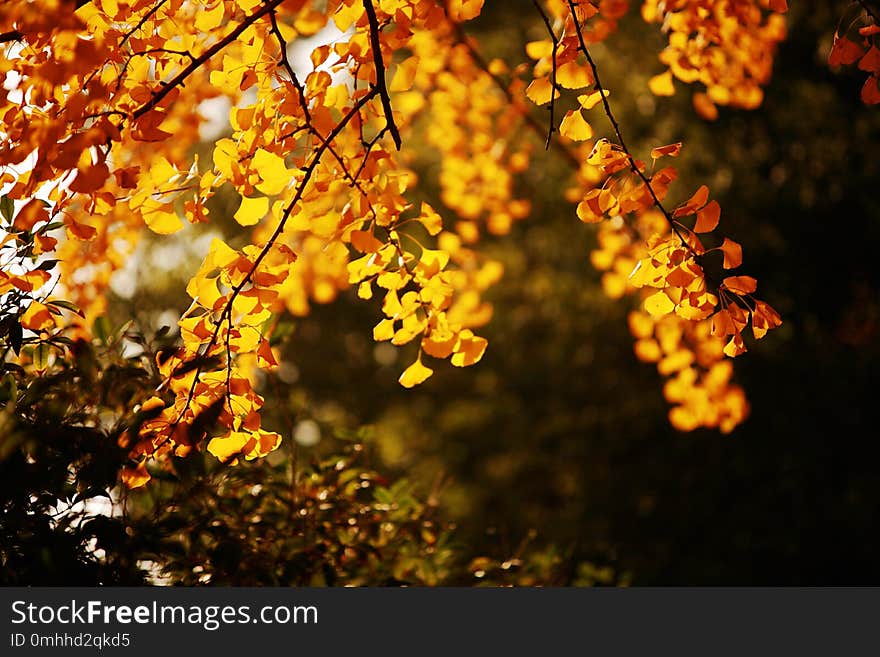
x: 658, y: 304
x: 539, y: 91
x: 464, y: 10
x: 160, y: 217
x: 208, y: 19
x: 405, y: 75
x: 573, y: 76
x: 575, y: 127
x: 661, y: 85
x: 272, y: 171
x: 384, y: 330
x: 469, y: 350
x: 229, y: 446
x: 415, y: 374
x: 252, y: 210
x: 429, y: 218
x: 539, y: 49
x: 735, y: 347
x: 589, y: 101
x: 37, y: 317
x: 135, y: 477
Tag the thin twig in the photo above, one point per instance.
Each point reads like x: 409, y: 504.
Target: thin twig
x: 376, y: 46
x: 178, y: 80
x: 582, y: 46
x: 226, y: 313
x: 555, y: 40
x: 530, y: 120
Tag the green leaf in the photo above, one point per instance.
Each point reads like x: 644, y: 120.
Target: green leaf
x: 7, y: 208
x: 67, y: 305
x: 101, y: 329
x: 41, y: 356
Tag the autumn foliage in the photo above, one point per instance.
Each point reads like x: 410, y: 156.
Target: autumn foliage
x: 101, y: 112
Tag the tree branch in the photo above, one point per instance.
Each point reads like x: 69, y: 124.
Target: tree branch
x: 204, y: 57
x: 582, y: 46
x: 530, y: 120
x: 380, y: 71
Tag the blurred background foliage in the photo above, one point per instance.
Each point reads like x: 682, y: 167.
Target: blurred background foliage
x: 552, y: 461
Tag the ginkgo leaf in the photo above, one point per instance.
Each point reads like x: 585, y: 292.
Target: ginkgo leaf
x: 135, y: 477
x: 735, y: 346
x: 658, y: 304
x: 672, y: 150
x: 384, y: 330
x: 661, y: 85
x: 588, y: 101
x: 464, y: 10
x: 571, y: 75
x: 415, y: 374
x: 229, y: 446
x: 161, y: 217
x: 539, y: 49
x: 469, y: 349
x: 704, y: 107
x: 708, y: 217
x: 870, y: 93
x: 252, y: 210
x: 844, y: 52
x: 540, y: 91
x: 871, y: 60
x: 575, y: 127
x: 208, y: 19
x: 740, y: 284
x: 365, y: 242
x: 732, y: 253
x: 272, y: 171
x: 429, y: 218
x: 764, y: 318
x: 698, y: 200
x: 405, y: 75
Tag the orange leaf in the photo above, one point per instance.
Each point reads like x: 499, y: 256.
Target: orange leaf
x: 704, y: 107
x: 135, y: 477
x: 37, y: 317
x: 733, y: 253
x: 364, y: 241
x: 736, y: 346
x: 740, y: 284
x: 695, y: 202
x: 871, y: 91
x: 844, y: 52
x: 672, y: 150
x: 707, y: 218
x: 871, y: 60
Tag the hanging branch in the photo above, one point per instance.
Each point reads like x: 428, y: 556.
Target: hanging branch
x: 380, y: 72
x: 582, y: 46
x: 555, y: 39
